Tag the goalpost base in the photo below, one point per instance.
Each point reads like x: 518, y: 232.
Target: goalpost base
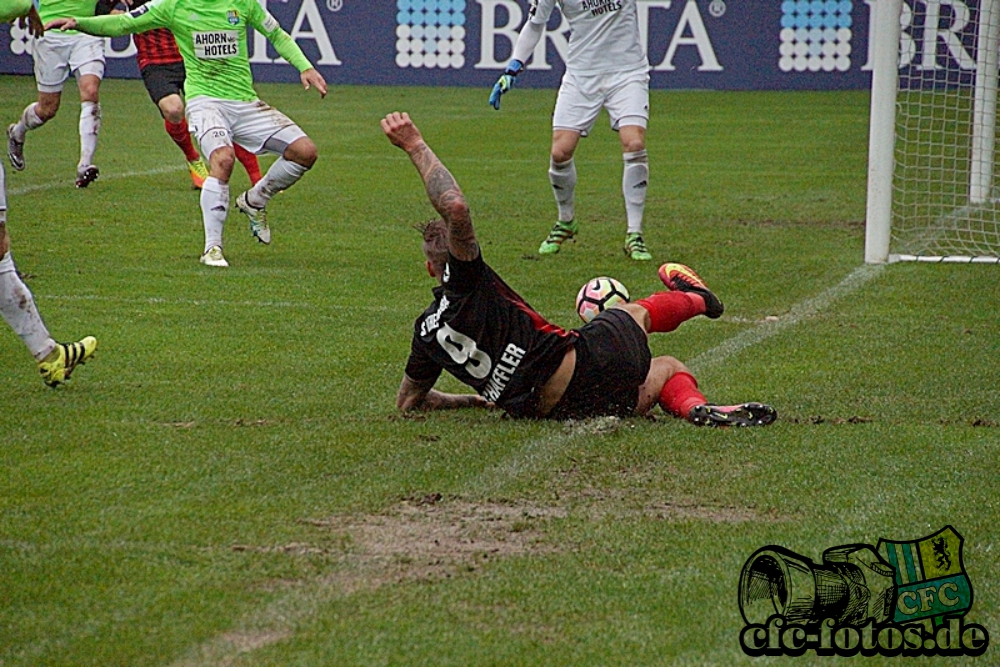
x: 946, y: 259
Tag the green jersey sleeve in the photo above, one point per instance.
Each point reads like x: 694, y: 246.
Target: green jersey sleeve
x: 267, y: 25
x: 13, y: 9
x: 116, y: 25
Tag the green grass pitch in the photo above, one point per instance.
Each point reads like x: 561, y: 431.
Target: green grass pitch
x: 228, y: 482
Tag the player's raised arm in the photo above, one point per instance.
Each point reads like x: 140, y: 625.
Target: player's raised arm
x: 442, y: 189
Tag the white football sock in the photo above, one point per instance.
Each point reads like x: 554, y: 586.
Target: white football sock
x: 18, y: 308
x: 562, y: 176
x: 214, y: 208
x: 29, y: 121
x: 90, y: 127
x: 635, y: 179
x: 282, y: 175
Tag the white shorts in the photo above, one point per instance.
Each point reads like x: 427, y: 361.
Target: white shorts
x: 57, y: 54
x: 256, y: 126
x: 581, y: 97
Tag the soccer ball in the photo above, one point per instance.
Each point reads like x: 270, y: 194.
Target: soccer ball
x: 598, y: 295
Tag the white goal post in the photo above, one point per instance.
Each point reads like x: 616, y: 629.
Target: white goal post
x: 932, y: 189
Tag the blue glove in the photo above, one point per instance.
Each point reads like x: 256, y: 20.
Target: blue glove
x: 505, y: 82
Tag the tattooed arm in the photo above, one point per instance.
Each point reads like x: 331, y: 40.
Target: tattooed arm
x: 442, y: 189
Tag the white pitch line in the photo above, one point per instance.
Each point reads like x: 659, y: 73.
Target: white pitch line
x: 799, y: 312
x: 152, y: 300
x: 52, y: 185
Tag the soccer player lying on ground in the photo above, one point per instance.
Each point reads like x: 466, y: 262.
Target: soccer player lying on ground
x: 482, y: 332
x: 17, y: 306
x: 222, y: 105
x: 162, y: 70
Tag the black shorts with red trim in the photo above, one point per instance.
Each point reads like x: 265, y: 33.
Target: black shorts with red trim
x: 612, y: 362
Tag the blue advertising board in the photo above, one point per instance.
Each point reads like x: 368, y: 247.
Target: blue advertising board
x: 692, y: 44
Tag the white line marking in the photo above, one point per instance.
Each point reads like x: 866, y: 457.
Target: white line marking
x: 799, y: 312
x: 52, y: 185
x: 183, y: 302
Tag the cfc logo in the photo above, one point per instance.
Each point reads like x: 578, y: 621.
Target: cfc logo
x: 901, y: 598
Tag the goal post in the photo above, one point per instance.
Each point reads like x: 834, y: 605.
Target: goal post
x: 932, y: 189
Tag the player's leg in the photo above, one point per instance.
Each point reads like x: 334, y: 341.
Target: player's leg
x: 34, y: 116
x: 17, y: 306
x: 577, y: 106
x: 87, y: 64
x: 687, y: 296
x: 90, y: 128
x: 671, y: 385
x: 249, y: 162
x: 297, y: 157
x: 628, y: 107
x: 51, y: 65
x: 165, y: 85
x: 297, y: 154
x: 210, y: 124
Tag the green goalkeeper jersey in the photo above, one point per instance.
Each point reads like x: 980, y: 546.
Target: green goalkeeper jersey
x: 13, y: 9
x: 212, y: 38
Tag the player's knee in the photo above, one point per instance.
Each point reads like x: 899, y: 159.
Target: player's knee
x: 634, y: 146
x: 665, y: 367
x: 89, y: 88
x: 638, y: 313
x: 221, y: 162
x: 302, y: 151
x: 172, y: 108
x: 4, y: 239
x: 561, y: 154
x: 46, y: 109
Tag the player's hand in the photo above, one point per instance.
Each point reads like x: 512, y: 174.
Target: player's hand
x: 61, y: 24
x: 32, y: 22
x: 401, y: 131
x: 505, y: 82
x: 311, y: 78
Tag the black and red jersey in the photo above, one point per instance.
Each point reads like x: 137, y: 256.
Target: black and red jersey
x: 156, y: 47
x: 486, y: 335
x: 153, y: 47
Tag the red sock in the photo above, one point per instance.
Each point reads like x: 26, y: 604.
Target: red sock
x: 680, y: 394
x: 667, y: 310
x: 249, y: 162
x: 181, y: 135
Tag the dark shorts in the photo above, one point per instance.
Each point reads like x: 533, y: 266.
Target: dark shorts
x: 163, y: 80
x: 612, y: 361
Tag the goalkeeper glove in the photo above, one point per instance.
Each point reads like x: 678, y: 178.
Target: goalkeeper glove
x: 505, y: 82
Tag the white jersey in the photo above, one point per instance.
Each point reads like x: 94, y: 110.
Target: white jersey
x: 604, y: 37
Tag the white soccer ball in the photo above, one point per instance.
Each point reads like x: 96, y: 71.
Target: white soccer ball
x: 598, y: 295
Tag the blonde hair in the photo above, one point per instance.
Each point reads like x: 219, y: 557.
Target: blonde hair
x: 435, y: 233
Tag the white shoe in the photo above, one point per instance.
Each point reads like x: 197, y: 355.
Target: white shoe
x: 213, y: 257
x: 258, y: 219
x: 15, y: 149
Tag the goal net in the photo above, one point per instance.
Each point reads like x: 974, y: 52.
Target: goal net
x: 932, y: 190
